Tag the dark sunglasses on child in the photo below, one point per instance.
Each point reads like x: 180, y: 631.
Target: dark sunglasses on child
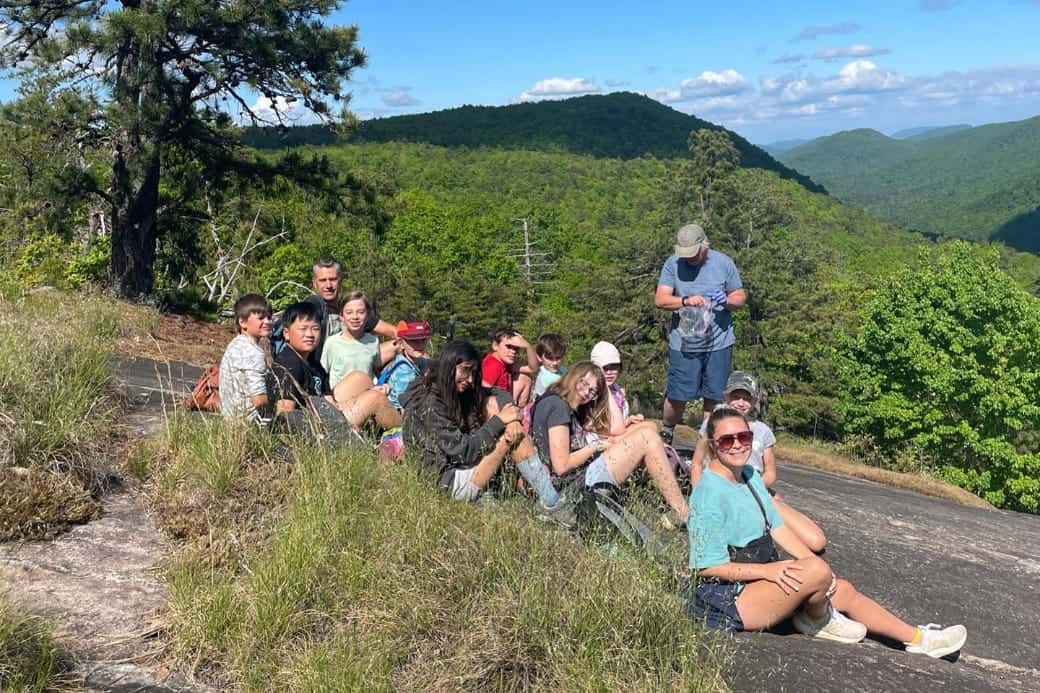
x: 727, y: 441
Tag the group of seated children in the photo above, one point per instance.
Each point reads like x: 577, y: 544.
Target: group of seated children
x: 463, y: 414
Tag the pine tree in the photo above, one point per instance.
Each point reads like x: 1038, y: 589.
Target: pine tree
x: 169, y: 75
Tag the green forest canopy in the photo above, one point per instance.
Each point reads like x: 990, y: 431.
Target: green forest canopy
x: 619, y: 125
x: 978, y: 183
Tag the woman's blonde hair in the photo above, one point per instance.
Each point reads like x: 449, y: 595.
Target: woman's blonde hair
x: 594, y: 416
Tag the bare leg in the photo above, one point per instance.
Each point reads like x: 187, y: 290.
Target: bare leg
x: 489, y: 464
x: 368, y: 404
x: 875, y: 617
x: 673, y: 412
x: 351, y: 386
x: 522, y: 389
x: 641, y: 444
x: 807, y: 530
x: 709, y: 406
x: 762, y: 603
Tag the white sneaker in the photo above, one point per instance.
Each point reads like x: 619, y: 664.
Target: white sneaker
x: 835, y: 627
x: 937, y: 641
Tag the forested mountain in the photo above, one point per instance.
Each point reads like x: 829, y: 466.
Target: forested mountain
x: 783, y: 145
x: 928, y: 132
x: 622, y: 125
x: 977, y: 183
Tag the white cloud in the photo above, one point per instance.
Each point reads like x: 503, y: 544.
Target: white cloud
x: 709, y: 83
x: 400, y: 97
x: 856, y: 50
x: 859, y: 90
x: 614, y: 83
x: 559, y: 88
x: 704, y: 87
x: 290, y: 111
x: 788, y: 58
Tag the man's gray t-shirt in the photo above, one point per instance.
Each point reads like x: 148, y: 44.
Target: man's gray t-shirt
x: 716, y: 273
x: 243, y: 371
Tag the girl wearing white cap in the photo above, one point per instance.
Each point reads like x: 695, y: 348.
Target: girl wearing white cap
x: 606, y: 356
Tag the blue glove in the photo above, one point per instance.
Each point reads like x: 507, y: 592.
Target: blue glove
x: 718, y: 299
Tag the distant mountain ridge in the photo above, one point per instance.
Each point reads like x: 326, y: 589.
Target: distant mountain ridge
x: 783, y: 145
x: 928, y: 132
x: 620, y: 125
x: 977, y: 183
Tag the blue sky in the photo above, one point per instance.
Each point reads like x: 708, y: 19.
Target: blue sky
x: 769, y: 70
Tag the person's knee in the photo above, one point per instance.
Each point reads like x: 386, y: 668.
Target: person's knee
x: 645, y: 427
x: 816, y: 574
x: 815, y: 540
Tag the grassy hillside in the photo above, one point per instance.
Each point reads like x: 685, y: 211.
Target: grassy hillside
x: 979, y: 183
x: 620, y: 125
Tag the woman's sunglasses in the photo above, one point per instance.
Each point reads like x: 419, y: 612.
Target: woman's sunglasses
x: 727, y: 441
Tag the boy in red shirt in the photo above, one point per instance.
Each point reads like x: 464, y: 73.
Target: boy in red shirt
x: 499, y: 368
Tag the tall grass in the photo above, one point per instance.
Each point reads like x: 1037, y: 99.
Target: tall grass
x: 367, y: 578
x: 29, y: 659
x: 57, y: 408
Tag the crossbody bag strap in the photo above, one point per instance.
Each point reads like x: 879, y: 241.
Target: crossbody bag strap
x: 761, y: 506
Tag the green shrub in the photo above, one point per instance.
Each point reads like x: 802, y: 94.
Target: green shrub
x: 944, y: 374
x: 371, y: 579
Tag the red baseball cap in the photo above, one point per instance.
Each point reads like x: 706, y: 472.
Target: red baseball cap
x: 420, y: 329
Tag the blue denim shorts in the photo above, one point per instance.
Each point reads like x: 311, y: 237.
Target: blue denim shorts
x: 698, y: 375
x: 715, y: 604
x: 597, y: 473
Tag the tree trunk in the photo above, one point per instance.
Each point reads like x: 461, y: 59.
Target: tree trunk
x: 134, y: 227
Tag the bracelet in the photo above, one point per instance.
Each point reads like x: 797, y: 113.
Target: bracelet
x: 682, y: 302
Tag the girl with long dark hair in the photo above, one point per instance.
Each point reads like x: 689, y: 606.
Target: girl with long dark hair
x: 463, y: 432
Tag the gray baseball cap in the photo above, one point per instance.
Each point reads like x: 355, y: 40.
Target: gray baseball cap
x: 742, y: 380
x: 689, y: 241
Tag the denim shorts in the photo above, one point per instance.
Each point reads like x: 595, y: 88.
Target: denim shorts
x: 715, y: 604
x: 597, y: 473
x: 699, y: 375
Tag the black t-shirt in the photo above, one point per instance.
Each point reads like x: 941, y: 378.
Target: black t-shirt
x: 295, y: 378
x: 332, y: 323
x: 550, y: 410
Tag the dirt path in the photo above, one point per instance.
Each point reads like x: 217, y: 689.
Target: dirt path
x: 99, y: 583
x: 100, y: 586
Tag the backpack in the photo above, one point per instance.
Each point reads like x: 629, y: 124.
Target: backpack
x: 205, y: 396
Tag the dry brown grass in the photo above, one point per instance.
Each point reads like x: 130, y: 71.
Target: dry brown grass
x: 147, y: 333
x: 837, y: 464
x: 41, y: 504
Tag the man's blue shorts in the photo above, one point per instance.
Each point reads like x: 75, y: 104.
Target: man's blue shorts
x: 700, y: 375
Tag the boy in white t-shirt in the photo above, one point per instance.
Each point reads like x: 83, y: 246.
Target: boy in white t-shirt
x: 243, y: 369
x: 741, y: 393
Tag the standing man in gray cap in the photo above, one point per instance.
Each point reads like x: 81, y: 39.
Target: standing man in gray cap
x: 699, y: 364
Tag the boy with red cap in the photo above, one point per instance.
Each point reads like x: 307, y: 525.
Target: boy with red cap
x: 400, y: 372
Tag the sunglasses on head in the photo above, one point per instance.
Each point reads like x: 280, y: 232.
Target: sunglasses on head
x: 727, y: 441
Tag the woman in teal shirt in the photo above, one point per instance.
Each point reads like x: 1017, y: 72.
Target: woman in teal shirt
x: 740, y: 586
